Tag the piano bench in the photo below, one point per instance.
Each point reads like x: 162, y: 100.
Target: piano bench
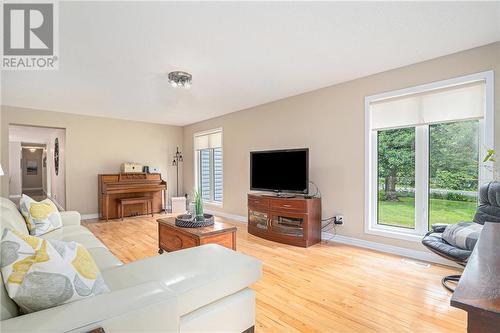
x: 122, y: 202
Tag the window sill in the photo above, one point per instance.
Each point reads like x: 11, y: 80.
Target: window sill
x: 394, y: 234
x: 213, y: 204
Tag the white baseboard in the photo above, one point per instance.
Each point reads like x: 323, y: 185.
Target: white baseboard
x: 229, y: 216
x: 239, y: 218
x: 15, y: 196
x: 32, y: 188
x: 400, y: 251
x: 90, y: 216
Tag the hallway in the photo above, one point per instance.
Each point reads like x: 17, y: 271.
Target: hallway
x: 37, y: 163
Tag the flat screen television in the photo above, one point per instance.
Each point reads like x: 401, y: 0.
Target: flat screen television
x: 280, y: 170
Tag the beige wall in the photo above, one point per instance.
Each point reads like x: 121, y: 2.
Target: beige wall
x: 14, y: 177
x: 330, y: 122
x: 57, y: 182
x: 96, y: 145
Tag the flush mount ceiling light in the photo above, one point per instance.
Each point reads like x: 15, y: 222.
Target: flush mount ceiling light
x: 32, y: 149
x: 180, y: 79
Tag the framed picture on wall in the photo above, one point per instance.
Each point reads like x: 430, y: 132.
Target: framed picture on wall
x: 32, y: 167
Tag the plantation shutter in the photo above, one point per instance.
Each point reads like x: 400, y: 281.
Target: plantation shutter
x: 462, y: 102
x: 205, y: 172
x: 210, y: 177
x: 218, y: 174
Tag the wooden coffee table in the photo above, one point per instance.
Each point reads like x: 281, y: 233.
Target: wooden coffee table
x: 173, y: 238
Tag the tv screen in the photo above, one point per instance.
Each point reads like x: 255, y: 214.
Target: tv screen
x: 280, y: 170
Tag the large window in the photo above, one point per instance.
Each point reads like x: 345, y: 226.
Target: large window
x: 208, y: 165
x: 396, y: 175
x: 453, y: 171
x: 423, y: 150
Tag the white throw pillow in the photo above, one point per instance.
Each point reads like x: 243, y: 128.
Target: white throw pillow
x: 41, y: 217
x: 42, y: 273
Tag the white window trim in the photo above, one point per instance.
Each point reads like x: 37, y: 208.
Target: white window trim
x: 486, y: 141
x: 196, y: 165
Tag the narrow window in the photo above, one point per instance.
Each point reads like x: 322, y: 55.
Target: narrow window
x: 208, y: 165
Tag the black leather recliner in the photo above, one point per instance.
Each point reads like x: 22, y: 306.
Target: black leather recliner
x: 488, y: 211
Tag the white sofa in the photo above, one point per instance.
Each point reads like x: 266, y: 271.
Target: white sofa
x: 202, y: 289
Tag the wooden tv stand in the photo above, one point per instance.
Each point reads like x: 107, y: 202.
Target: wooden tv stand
x: 294, y: 221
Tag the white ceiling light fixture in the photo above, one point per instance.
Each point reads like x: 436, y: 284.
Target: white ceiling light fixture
x: 180, y: 79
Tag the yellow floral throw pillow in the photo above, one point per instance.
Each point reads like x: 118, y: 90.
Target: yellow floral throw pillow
x: 41, y: 217
x: 42, y: 273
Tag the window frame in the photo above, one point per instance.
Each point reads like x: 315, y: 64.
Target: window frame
x: 486, y: 140
x: 197, y: 162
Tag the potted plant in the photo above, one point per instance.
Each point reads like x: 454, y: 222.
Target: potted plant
x: 489, y: 163
x: 198, y: 206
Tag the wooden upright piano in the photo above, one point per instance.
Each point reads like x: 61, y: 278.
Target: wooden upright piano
x: 128, y: 185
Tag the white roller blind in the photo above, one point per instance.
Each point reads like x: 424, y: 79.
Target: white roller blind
x: 209, y: 140
x: 449, y: 104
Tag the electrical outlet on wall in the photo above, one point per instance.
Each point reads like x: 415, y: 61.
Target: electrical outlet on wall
x: 339, y: 219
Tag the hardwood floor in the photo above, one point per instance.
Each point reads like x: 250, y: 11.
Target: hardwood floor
x: 328, y: 287
x: 37, y: 195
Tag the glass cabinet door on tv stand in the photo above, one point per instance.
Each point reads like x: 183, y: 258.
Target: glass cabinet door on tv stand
x: 258, y: 219
x: 287, y: 224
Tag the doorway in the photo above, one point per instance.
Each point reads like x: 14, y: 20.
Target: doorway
x: 34, y: 172
x: 37, y: 163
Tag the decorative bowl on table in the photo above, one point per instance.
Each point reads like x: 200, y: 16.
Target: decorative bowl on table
x: 190, y: 221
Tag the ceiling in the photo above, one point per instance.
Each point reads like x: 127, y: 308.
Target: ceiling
x: 114, y: 56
